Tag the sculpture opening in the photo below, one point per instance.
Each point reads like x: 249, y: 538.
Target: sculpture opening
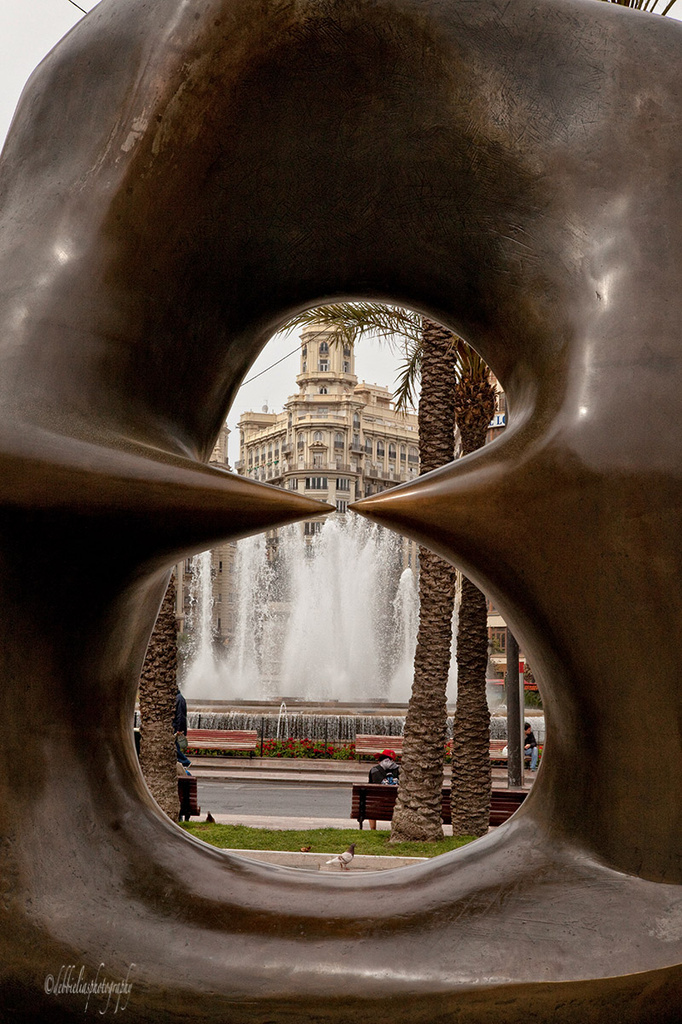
x: 217, y: 169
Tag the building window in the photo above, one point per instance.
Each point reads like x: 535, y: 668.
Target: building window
x: 391, y: 451
x: 380, y: 449
x: 323, y: 366
x: 304, y: 351
x: 346, y: 366
x: 324, y: 348
x: 498, y: 640
x: 346, y: 351
x: 413, y: 455
x: 342, y: 506
x: 403, y: 453
x: 310, y: 529
x: 342, y: 484
x: 356, y: 441
x: 317, y: 460
x: 257, y: 459
x: 317, y: 437
x: 304, y: 368
x: 356, y: 421
x: 324, y: 391
x: 293, y: 484
x: 220, y: 566
x: 316, y: 483
x: 338, y: 442
x: 322, y: 412
x: 368, y: 446
x: 300, y: 442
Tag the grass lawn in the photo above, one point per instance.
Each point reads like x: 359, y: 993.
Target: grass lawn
x: 319, y: 840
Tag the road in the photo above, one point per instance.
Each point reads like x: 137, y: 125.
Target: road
x: 295, y: 799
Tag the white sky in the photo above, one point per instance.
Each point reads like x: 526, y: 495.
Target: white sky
x: 28, y: 31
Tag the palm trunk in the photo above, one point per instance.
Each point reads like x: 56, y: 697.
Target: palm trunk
x: 471, y: 774
x: 158, y: 687
x: 417, y: 814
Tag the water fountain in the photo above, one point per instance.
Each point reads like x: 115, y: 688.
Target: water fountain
x: 326, y: 632
x: 282, y: 722
x: 333, y: 620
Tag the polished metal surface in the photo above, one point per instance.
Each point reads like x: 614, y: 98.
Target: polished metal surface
x: 180, y: 177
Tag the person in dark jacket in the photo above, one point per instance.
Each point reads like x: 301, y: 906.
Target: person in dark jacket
x: 530, y: 746
x: 385, y: 773
x: 180, y: 730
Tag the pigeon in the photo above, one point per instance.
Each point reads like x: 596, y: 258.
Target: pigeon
x: 344, y: 859
x: 306, y: 849
x: 210, y: 819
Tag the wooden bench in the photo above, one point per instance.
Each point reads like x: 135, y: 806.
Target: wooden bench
x: 223, y: 739
x: 376, y: 802
x: 369, y: 745
x: 498, y: 751
x: 187, y: 793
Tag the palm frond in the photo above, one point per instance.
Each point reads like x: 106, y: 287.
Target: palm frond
x: 401, y: 329
x: 468, y: 362
x: 352, y: 320
x: 406, y: 390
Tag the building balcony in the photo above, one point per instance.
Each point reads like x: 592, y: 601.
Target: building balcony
x: 375, y: 472
x: 329, y: 467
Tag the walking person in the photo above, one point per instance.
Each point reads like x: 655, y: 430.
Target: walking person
x: 180, y: 730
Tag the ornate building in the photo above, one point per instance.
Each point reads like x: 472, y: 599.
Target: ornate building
x: 337, y: 439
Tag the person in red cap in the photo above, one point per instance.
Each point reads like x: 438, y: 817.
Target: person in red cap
x: 386, y: 773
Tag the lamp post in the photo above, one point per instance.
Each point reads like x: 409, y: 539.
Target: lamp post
x: 514, y: 716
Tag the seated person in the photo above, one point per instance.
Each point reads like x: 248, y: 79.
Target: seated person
x: 386, y: 773
x: 530, y: 746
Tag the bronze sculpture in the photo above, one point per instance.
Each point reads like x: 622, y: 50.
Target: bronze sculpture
x: 178, y: 178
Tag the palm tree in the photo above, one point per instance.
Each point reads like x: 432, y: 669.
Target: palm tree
x: 455, y: 385
x: 158, y: 687
x: 417, y: 814
x: 471, y: 774
x: 474, y: 406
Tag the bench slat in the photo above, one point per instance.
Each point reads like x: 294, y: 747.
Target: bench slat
x: 223, y: 739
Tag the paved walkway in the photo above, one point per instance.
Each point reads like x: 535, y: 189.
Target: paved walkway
x: 308, y: 770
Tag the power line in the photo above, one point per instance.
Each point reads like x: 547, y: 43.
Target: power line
x: 256, y: 375
x: 76, y: 5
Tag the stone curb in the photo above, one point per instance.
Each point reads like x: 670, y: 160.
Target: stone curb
x: 318, y: 861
